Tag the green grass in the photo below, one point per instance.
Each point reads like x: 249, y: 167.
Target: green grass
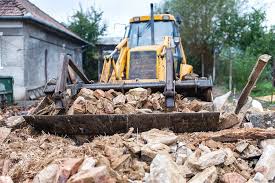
x: 263, y: 89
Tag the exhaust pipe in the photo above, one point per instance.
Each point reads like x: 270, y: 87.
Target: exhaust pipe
x: 152, y: 22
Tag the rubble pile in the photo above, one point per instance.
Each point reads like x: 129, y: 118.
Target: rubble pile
x: 242, y: 154
x: 152, y: 156
x: 134, y: 101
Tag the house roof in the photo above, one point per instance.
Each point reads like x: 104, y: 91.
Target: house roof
x: 25, y: 9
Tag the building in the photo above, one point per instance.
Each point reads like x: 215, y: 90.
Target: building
x: 31, y: 43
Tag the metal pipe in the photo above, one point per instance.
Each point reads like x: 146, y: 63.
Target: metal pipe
x: 152, y: 22
x: 187, y: 84
x: 255, y: 74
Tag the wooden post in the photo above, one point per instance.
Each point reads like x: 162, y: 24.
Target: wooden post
x: 257, y: 70
x: 230, y: 70
x: 230, y: 75
x: 202, y: 65
x: 214, y: 67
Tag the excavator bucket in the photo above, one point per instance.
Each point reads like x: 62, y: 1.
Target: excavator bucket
x: 95, y: 125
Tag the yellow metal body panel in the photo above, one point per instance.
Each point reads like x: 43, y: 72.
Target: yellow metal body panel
x: 184, y: 70
x: 159, y: 17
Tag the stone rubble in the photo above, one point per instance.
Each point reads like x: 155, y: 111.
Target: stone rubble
x: 233, y: 178
x: 153, y: 156
x: 137, y: 100
x: 209, y: 175
x: 164, y: 169
x: 149, y: 156
x: 266, y: 165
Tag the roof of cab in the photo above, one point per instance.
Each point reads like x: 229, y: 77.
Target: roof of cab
x: 158, y: 17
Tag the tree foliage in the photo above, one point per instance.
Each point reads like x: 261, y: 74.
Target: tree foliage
x: 88, y: 25
x: 227, y: 28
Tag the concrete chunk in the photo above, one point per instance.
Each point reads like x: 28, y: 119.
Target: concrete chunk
x: 120, y: 99
x: 159, y: 136
x: 209, y: 175
x: 266, y: 165
x: 164, y: 169
x: 14, y: 121
x: 95, y: 175
x: 233, y: 178
x: 87, y: 164
x: 47, y: 175
x: 5, y: 179
x: 220, y: 101
x: 152, y: 149
x: 210, y: 159
x: 241, y: 146
x: 4, y: 133
x: 68, y: 167
x: 251, y: 152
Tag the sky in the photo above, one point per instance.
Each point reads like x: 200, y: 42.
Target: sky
x: 118, y: 12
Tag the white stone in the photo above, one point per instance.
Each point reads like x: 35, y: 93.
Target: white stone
x: 181, y: 158
x: 241, y: 146
x: 230, y: 158
x: 163, y: 169
x: 5, y: 179
x: 258, y: 178
x: 220, y: 101
x: 152, y: 149
x: 87, y: 164
x: 267, y: 142
x: 139, y: 94
x: 47, y: 175
x: 209, y: 175
x: 14, y: 121
x: 257, y: 105
x: 210, y: 159
x: 251, y: 152
x: 204, y: 148
x: 159, y: 136
x: 120, y: 99
x: 266, y: 165
x: 4, y: 133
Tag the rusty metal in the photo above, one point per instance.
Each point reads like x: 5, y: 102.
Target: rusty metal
x: 255, y: 74
x: 110, y: 124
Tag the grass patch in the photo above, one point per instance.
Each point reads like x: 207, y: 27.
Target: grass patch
x: 262, y: 89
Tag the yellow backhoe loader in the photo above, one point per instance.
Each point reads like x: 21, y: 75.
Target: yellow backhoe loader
x: 150, y: 56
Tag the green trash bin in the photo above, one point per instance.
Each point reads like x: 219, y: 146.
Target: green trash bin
x: 6, y: 89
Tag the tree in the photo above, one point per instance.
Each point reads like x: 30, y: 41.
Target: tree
x: 201, y: 26
x: 226, y: 28
x: 88, y: 25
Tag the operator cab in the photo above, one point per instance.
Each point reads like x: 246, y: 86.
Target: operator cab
x: 139, y: 33
x: 143, y: 49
